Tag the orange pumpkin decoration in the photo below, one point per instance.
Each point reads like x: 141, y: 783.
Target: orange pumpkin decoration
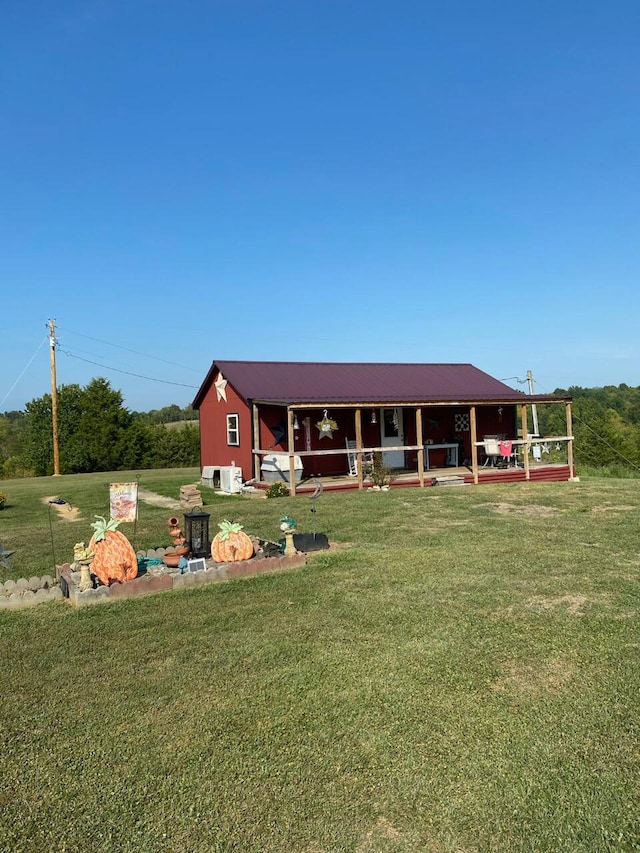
x: 114, y: 558
x: 231, y: 544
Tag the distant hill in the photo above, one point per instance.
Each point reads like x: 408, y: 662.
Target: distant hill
x: 168, y: 415
x: 182, y: 424
x: 606, y: 424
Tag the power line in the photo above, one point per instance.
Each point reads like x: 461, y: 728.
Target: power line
x: 127, y: 349
x: 517, y: 379
x: 604, y: 441
x: 127, y: 372
x: 45, y: 339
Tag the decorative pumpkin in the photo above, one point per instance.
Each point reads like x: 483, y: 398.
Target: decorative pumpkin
x: 114, y: 558
x: 231, y: 544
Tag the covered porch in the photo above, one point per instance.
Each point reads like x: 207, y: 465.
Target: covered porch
x: 423, y: 443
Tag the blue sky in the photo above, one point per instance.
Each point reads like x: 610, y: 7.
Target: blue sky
x: 317, y: 180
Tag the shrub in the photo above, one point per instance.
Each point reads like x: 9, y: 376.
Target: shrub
x: 377, y: 471
x: 15, y: 467
x: 277, y: 490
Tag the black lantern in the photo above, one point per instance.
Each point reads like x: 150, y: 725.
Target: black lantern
x: 197, y: 533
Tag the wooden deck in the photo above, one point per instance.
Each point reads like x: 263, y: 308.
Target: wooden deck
x: 538, y: 472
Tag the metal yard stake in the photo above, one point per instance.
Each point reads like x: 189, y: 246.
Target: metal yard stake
x: 314, y: 497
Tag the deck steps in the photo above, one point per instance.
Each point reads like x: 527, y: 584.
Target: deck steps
x: 449, y: 480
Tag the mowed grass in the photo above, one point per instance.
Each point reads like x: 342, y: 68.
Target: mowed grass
x: 459, y: 674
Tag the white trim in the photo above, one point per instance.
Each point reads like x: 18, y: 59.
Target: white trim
x: 233, y: 430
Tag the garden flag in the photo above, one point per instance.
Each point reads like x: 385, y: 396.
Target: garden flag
x: 123, y: 501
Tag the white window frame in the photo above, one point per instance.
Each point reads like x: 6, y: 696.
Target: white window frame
x: 233, y: 430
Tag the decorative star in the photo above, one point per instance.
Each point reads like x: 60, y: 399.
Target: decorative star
x: 326, y: 426
x: 325, y: 430
x: 221, y: 388
x: 545, y: 447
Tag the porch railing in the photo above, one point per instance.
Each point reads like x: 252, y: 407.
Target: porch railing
x: 360, y: 452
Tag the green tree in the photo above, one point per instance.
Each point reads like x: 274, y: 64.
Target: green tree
x: 11, y: 431
x: 91, y: 422
x: 606, y: 427
x: 135, y: 447
x: 102, y: 424
x: 176, y: 448
x: 97, y: 433
x: 37, y: 442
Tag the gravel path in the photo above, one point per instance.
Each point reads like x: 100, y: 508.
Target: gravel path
x: 157, y: 500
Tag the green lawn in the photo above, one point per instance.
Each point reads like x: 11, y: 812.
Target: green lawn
x: 460, y: 675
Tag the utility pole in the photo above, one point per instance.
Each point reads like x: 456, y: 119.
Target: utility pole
x: 534, y: 415
x: 54, y: 398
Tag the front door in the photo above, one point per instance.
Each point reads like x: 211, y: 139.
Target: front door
x: 392, y: 434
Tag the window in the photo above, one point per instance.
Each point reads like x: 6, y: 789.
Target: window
x: 233, y: 430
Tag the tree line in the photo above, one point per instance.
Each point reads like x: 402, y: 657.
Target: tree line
x: 95, y: 433
x: 606, y: 425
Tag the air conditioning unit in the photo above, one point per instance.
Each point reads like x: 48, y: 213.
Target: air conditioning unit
x: 230, y: 479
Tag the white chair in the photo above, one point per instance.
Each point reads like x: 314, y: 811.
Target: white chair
x: 352, y: 456
x: 491, y: 449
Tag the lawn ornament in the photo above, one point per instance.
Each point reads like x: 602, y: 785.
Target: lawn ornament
x: 82, y: 557
x: 231, y: 543
x: 312, y: 541
x: 175, y: 532
x: 114, y: 558
x: 180, y: 549
x: 288, y: 527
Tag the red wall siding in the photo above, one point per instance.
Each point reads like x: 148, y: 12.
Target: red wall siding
x: 491, y: 422
x: 214, y: 449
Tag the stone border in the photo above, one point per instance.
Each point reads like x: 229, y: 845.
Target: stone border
x: 149, y: 584
x: 17, y: 595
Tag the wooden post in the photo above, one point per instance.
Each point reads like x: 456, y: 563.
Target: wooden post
x: 257, y: 459
x: 292, y: 452
x: 474, y: 437
x: 421, y: 450
x: 54, y: 398
x: 525, y: 436
x: 358, y: 420
x: 570, y: 442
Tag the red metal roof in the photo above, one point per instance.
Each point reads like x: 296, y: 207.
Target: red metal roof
x: 345, y: 382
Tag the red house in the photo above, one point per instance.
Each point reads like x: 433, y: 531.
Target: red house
x: 311, y: 419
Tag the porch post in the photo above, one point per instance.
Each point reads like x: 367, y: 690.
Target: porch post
x: 421, y: 446
x: 359, y: 447
x: 257, y: 459
x: 473, y: 423
x: 292, y: 451
x: 525, y: 436
x: 570, y: 442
